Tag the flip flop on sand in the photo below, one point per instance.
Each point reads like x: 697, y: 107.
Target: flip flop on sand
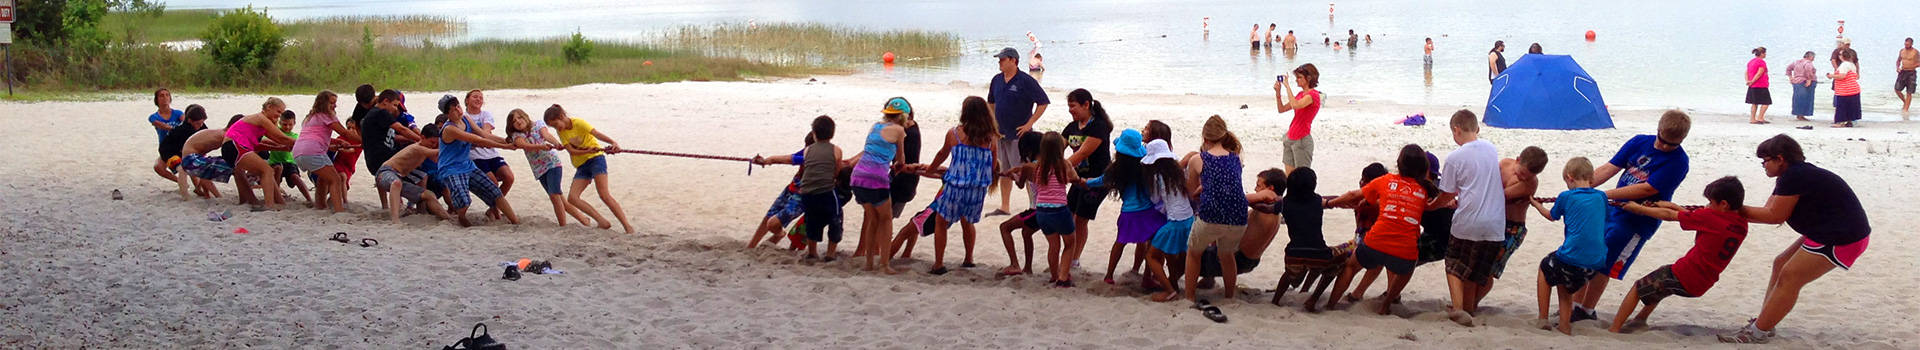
x: 1210, y: 311
x: 968, y: 265
x: 938, y: 271
x: 339, y: 237
x: 368, y: 242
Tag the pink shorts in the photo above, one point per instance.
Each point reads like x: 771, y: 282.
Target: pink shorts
x: 1840, y: 255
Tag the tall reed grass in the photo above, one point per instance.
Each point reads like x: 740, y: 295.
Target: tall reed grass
x: 809, y: 43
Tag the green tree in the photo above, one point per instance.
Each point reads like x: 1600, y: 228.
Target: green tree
x: 243, y: 39
x: 72, y: 25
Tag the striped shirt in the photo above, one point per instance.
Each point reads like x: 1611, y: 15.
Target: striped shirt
x: 1849, y: 84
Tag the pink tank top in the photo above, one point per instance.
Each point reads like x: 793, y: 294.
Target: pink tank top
x: 1049, y: 192
x: 245, y: 135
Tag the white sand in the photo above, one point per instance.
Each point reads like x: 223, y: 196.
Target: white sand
x: 151, y: 272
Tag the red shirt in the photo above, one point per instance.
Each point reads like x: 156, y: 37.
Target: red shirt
x: 1303, y: 117
x: 1717, y: 236
x: 1401, y: 202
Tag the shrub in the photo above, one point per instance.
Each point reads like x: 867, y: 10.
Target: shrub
x: 578, y: 50
x: 243, y: 39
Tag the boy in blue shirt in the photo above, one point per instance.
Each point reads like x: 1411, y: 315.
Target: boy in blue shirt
x: 1583, y: 254
x: 1650, y: 168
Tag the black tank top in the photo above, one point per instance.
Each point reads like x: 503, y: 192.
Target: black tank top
x: 1499, y: 64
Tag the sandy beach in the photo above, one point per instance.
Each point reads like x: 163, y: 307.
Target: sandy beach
x: 85, y: 271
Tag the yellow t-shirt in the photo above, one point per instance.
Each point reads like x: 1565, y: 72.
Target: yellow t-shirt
x: 581, y: 136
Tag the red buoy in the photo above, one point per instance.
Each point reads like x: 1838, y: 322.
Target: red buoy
x: 647, y: 63
x: 887, y: 57
x: 1590, y: 35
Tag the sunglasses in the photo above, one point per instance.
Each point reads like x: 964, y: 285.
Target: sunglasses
x: 1663, y: 140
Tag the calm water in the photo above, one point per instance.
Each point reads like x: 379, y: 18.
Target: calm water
x: 1648, y: 54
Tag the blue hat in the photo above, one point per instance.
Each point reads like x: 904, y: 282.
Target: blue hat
x: 897, y: 105
x: 1129, y: 144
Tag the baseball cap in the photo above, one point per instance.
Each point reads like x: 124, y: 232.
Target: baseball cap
x: 1846, y: 41
x: 448, y: 102
x: 1008, y: 53
x: 1128, y: 144
x: 403, y: 101
x: 1157, y: 150
x: 897, y: 105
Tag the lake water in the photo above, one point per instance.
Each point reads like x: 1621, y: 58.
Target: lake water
x: 1648, y: 54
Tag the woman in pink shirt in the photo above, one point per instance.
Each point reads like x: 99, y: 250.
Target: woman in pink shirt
x: 1802, y: 76
x: 1757, y: 95
x: 1297, y: 149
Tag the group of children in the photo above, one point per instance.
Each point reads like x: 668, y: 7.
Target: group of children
x: 434, y: 168
x: 1188, y: 216
x: 1191, y: 220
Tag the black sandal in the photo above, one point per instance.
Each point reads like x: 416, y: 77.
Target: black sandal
x: 1210, y: 311
x: 366, y: 242
x: 968, y: 265
x: 340, y: 237
x: 938, y: 271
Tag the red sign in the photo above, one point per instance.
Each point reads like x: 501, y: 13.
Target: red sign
x: 6, y: 11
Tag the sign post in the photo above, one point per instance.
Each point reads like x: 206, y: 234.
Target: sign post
x: 6, y: 40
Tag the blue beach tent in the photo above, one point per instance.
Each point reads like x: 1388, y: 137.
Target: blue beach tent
x: 1546, y: 92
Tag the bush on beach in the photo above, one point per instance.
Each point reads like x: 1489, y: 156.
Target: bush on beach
x: 243, y: 39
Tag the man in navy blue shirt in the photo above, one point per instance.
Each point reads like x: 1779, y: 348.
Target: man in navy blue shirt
x: 1650, y: 168
x: 1017, y: 102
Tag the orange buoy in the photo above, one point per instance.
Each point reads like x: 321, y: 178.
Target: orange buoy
x: 647, y: 63
x: 887, y: 57
x: 1590, y: 35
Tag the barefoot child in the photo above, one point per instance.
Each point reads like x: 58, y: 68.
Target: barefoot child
x: 590, y: 164
x: 164, y: 121
x: 176, y: 140
x: 1719, y: 229
x: 872, y: 181
x: 963, y: 188
x: 786, y: 207
x: 1127, y: 177
x: 1390, y: 244
x: 1028, y: 147
x: 199, y: 168
x: 1172, y: 195
x: 310, y: 152
x: 1050, y: 176
x: 281, y: 159
x: 1364, y: 215
x: 1308, y: 258
x: 1214, y: 174
x: 1263, y: 224
x: 458, y: 137
x: 1583, y: 254
x: 539, y: 142
x: 817, y: 196
x: 402, y: 177
x: 247, y: 136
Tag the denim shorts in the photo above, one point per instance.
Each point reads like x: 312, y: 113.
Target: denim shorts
x: 1055, y: 220
x: 550, y: 180
x: 593, y: 167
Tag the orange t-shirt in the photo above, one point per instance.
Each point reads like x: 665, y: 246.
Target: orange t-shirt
x: 1401, y: 202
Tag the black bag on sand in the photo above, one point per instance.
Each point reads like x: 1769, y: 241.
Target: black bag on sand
x: 479, y: 339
